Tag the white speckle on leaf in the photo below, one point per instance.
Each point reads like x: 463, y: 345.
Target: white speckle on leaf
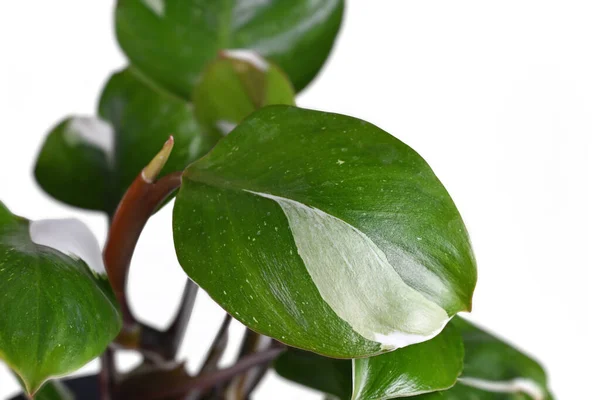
x: 71, y: 237
x: 340, y: 162
x: 249, y: 56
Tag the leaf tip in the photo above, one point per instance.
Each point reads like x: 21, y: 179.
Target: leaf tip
x: 150, y: 173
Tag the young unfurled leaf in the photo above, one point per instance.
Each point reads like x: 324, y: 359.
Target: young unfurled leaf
x: 90, y: 162
x: 235, y: 85
x: 324, y: 232
x: 172, y: 41
x: 416, y: 369
x: 57, y: 309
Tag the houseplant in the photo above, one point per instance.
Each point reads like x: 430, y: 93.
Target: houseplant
x: 291, y: 199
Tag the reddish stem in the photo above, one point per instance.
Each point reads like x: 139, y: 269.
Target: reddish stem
x: 137, y: 206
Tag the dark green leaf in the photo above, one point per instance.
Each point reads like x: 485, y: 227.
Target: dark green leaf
x: 56, y: 313
x: 324, y: 232
x: 234, y: 86
x: 90, y: 163
x: 420, y: 368
x: 74, y: 165
x: 143, y: 117
x: 172, y: 41
x: 494, y: 370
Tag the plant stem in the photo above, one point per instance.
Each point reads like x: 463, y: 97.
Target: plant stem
x: 176, y: 331
x: 138, y: 204
x: 107, y: 374
x: 204, y: 382
x: 244, y: 384
x: 217, y: 348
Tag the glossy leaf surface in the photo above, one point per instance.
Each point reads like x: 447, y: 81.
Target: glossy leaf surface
x: 90, y: 162
x: 420, y: 368
x: 74, y: 165
x: 57, y: 314
x: 324, y: 232
x: 235, y: 85
x: 172, y: 41
x: 494, y: 370
x: 143, y: 117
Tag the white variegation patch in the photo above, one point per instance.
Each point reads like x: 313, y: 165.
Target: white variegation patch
x: 518, y: 385
x: 91, y: 131
x: 71, y: 237
x: 225, y: 127
x: 248, y: 56
x: 356, y: 280
x: 157, y: 6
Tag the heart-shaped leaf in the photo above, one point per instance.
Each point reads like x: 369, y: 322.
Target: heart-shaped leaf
x: 420, y: 368
x: 172, y: 41
x: 90, y: 163
x: 324, y: 232
x: 235, y: 85
x: 57, y: 313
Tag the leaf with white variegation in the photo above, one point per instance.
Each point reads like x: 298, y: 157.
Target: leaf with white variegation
x: 424, y: 367
x: 172, y: 41
x: 494, y: 370
x: 235, y: 85
x: 57, y: 313
x: 75, y: 163
x: 90, y: 162
x: 324, y: 232
x: 421, y: 368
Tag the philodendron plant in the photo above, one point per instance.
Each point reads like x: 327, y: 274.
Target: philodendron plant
x: 332, y: 241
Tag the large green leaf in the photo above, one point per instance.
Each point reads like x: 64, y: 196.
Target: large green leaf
x: 424, y: 367
x: 235, y: 85
x: 57, y: 314
x: 90, y: 163
x: 494, y: 370
x: 324, y: 232
x: 171, y: 41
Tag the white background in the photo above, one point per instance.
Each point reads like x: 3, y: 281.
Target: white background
x: 502, y: 99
